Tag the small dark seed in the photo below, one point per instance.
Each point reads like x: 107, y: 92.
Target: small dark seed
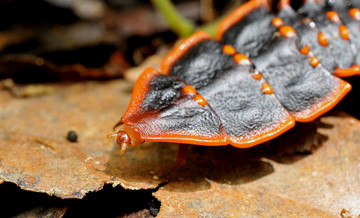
x: 72, y: 136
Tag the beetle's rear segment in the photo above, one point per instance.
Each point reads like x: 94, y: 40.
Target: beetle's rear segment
x: 347, y: 30
x: 303, y: 86
x: 333, y: 46
x: 350, y: 17
x: 304, y: 89
x: 251, y: 28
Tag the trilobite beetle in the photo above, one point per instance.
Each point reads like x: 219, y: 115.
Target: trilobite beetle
x: 264, y: 72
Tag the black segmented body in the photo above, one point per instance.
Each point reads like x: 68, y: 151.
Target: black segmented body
x: 296, y: 89
x: 253, y: 38
x: 230, y: 90
x: 210, y: 93
x: 203, y: 64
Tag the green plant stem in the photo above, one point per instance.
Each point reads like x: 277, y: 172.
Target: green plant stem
x: 211, y: 28
x: 177, y: 23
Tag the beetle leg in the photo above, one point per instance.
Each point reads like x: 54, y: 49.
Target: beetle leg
x: 180, y: 159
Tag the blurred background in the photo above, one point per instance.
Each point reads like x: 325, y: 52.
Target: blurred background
x: 72, y: 40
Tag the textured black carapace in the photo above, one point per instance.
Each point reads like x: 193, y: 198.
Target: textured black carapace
x: 264, y: 72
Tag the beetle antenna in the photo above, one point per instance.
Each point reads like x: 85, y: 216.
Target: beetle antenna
x: 117, y: 125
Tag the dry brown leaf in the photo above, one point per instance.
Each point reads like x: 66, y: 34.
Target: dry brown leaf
x: 35, y: 154
x: 224, y: 181
x: 231, y: 201
x: 54, y: 212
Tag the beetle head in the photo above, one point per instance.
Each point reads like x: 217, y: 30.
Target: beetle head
x: 129, y: 136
